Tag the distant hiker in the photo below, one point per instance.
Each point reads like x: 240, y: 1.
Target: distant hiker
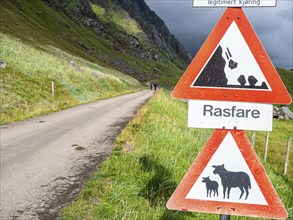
x: 155, y: 86
x: 233, y: 179
x: 211, y: 186
x: 151, y: 85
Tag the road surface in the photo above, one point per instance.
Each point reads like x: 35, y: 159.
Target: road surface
x: 46, y: 160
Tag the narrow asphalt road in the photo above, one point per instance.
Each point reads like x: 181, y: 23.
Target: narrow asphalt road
x: 46, y: 160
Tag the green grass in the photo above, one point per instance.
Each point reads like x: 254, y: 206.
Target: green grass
x: 278, y: 138
x: 37, y: 42
x: 120, y: 17
x: 26, y: 82
x: 287, y: 78
x: 36, y: 23
x: 152, y: 155
x: 100, y: 12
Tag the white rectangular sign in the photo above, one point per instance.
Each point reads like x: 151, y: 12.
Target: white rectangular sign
x: 234, y: 3
x: 230, y: 115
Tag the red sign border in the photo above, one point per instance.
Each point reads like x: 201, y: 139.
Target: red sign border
x: 274, y: 209
x: 279, y: 93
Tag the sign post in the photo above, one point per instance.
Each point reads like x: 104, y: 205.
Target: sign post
x: 227, y: 178
x: 230, y: 86
x: 224, y: 217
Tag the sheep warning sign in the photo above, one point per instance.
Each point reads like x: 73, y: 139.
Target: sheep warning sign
x: 232, y: 65
x: 228, y: 178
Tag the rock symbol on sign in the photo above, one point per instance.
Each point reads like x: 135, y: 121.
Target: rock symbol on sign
x: 222, y: 71
x: 232, y: 65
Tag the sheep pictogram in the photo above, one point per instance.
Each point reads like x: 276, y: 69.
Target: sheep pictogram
x: 211, y: 186
x: 232, y: 180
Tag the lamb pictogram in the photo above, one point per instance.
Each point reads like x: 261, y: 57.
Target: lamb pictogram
x: 233, y: 179
x: 212, y: 186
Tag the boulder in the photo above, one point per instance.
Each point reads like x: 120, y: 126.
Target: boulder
x: 3, y: 64
x: 282, y: 113
x: 74, y: 65
x: 285, y: 111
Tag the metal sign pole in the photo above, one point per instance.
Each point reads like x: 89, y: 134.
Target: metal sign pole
x: 211, y: 104
x: 224, y: 217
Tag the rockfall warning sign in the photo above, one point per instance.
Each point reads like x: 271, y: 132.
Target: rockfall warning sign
x: 232, y: 65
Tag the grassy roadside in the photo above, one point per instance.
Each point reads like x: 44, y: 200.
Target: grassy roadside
x: 152, y: 155
x: 287, y: 78
x: 38, y: 24
x: 26, y: 82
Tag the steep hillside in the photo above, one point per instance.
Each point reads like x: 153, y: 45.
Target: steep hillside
x: 153, y: 26
x: 287, y: 78
x: 27, y: 80
x: 102, y: 32
x: 86, y: 48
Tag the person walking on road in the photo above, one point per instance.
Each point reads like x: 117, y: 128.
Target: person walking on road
x: 151, y: 85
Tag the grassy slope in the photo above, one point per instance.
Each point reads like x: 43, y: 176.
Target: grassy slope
x: 152, y: 155
x: 35, y: 22
x: 37, y: 43
x: 120, y: 17
x: 26, y: 82
x: 287, y: 78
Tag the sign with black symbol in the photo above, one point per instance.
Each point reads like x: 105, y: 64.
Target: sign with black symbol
x: 228, y: 168
x: 232, y: 65
x: 228, y: 178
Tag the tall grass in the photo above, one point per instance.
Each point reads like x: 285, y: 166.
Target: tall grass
x: 26, y: 82
x: 39, y: 24
x: 287, y: 78
x: 152, y: 155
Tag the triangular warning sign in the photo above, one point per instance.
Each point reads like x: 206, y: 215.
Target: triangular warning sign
x: 232, y: 65
x: 228, y: 178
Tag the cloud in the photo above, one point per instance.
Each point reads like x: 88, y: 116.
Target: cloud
x: 192, y: 26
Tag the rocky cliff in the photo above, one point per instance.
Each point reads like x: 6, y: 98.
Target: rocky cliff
x: 105, y: 18
x: 154, y: 27
x: 121, y: 34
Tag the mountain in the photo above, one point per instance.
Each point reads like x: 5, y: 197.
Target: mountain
x: 153, y: 26
x: 90, y: 49
x: 123, y: 34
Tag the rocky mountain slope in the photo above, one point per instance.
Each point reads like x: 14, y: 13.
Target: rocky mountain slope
x: 123, y: 34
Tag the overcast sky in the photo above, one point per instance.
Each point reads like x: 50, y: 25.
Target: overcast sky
x: 191, y: 26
